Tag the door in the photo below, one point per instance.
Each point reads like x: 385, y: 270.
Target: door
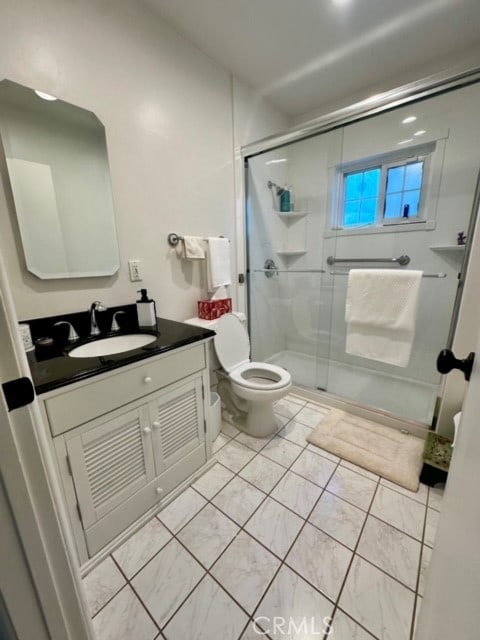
x: 450, y: 606
x: 178, y: 422
x: 40, y: 584
x: 111, y: 459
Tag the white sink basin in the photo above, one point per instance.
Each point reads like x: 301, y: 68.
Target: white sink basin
x: 109, y: 346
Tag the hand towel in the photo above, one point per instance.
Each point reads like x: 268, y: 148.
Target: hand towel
x: 218, y: 263
x: 380, y: 313
x: 191, y: 248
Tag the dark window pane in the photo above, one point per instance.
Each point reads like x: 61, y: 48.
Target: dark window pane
x: 392, y: 205
x: 412, y: 198
x: 395, y: 179
x: 353, y: 186
x: 368, y: 211
x: 351, y: 210
x: 413, y: 176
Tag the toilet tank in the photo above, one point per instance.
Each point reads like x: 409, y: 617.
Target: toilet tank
x: 211, y: 324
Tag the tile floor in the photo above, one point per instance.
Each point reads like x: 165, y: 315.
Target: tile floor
x: 276, y: 529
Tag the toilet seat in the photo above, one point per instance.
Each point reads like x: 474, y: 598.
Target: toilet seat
x: 260, y: 376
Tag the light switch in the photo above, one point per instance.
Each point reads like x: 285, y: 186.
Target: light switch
x: 135, y: 270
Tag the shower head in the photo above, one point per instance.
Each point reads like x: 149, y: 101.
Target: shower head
x: 279, y: 190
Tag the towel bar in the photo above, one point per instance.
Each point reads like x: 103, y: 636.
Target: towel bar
x: 173, y: 239
x: 402, y: 260
x: 425, y: 275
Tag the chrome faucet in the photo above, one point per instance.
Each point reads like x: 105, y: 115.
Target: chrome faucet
x: 72, y: 334
x: 115, y: 326
x: 96, y: 306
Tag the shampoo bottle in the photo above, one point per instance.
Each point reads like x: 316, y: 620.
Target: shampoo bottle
x: 285, y: 200
x: 146, y: 310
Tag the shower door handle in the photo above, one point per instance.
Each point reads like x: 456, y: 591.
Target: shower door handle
x: 447, y: 361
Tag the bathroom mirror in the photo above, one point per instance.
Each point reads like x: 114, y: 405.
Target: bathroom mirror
x: 57, y: 162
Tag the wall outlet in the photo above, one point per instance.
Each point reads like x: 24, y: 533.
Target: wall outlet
x: 135, y: 270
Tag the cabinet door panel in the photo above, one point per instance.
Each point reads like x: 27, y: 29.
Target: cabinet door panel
x: 177, y: 417
x: 110, y: 461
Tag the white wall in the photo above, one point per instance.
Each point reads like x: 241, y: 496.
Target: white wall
x: 167, y: 109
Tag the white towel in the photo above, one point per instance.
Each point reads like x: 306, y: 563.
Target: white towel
x: 380, y: 313
x: 191, y: 248
x: 218, y: 263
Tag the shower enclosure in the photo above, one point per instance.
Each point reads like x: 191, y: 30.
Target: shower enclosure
x: 391, y: 191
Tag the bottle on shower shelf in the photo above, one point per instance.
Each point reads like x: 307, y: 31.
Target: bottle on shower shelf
x: 286, y: 200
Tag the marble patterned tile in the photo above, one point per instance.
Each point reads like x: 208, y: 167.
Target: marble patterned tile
x: 313, y: 467
x: 431, y: 526
x: 181, y: 510
x: 378, y: 602
x: 124, y: 618
x: 417, y: 612
x: 229, y: 429
x: 295, y: 397
x: 101, y: 584
x: 285, y: 407
x: 352, y: 487
x: 296, y: 493
x: 220, y: 441
x: 338, y: 518
x: 426, y: 557
x: 252, y: 632
x: 263, y: 473
x: 322, y: 452
x: 320, y: 559
x: 399, y: 511
x: 141, y: 546
x: 296, y: 432
x: 238, y: 500
x: 234, y: 455
x: 311, y: 415
x: 208, y: 534
x: 281, y: 451
x: 420, y: 495
x: 245, y: 570
x: 253, y: 443
x: 391, y: 550
x: 344, y: 628
x: 360, y: 470
x: 291, y: 598
x: 435, y: 497
x: 274, y: 526
x: 208, y: 613
x: 213, y: 480
x: 174, y: 567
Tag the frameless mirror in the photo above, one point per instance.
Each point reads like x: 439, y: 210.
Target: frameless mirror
x: 57, y: 161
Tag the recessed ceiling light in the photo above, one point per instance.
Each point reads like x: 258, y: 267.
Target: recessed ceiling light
x: 409, y: 119
x: 276, y: 161
x: 419, y: 133
x: 405, y: 141
x: 45, y: 96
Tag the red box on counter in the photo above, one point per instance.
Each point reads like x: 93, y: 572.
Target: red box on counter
x: 213, y: 309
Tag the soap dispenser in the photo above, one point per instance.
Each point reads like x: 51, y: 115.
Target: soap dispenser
x: 146, y: 310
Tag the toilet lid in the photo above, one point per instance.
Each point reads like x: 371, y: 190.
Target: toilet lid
x: 232, y: 345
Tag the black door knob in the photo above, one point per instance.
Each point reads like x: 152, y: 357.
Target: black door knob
x: 446, y: 361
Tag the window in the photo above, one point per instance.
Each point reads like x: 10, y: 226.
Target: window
x: 384, y: 190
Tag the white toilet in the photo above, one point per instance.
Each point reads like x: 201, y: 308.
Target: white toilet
x: 248, y: 389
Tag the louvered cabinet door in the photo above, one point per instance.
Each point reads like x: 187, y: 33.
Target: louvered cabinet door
x: 178, y: 425
x: 110, y: 460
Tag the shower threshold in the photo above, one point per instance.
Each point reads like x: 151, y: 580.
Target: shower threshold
x: 400, y: 397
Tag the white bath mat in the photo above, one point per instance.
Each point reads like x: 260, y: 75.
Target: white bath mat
x: 387, y: 452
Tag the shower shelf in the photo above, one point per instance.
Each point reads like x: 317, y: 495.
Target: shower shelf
x: 448, y: 247
x: 291, y: 215
x: 292, y: 252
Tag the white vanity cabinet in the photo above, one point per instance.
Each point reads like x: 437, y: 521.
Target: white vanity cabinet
x: 117, y: 456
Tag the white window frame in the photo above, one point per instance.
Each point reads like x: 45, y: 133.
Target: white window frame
x: 431, y: 153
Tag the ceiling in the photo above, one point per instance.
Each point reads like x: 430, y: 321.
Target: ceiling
x: 304, y: 53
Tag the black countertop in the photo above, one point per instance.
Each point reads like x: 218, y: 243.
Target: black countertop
x: 52, y: 368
